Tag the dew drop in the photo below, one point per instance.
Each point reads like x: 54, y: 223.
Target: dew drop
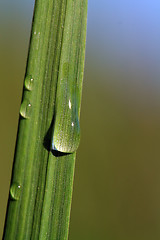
x: 66, y: 140
x: 15, y: 191
x: 26, y: 108
x: 66, y: 130
x: 28, y: 82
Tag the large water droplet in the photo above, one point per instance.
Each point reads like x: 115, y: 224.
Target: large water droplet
x: 15, y: 191
x: 28, y: 82
x: 26, y: 108
x: 66, y: 129
x: 66, y: 132
x: 66, y: 139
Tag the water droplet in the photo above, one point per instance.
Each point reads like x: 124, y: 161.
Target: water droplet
x: 15, y: 191
x: 26, y: 108
x: 28, y: 82
x: 66, y: 133
x: 66, y: 130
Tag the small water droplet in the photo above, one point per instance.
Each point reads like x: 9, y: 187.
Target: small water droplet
x: 26, y: 108
x: 15, y: 191
x: 28, y: 82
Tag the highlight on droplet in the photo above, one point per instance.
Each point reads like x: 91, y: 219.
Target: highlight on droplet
x: 70, y: 104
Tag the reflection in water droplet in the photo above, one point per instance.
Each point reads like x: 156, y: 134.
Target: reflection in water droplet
x: 28, y: 82
x: 26, y: 108
x: 15, y: 191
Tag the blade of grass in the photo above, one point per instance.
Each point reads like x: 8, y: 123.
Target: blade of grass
x: 41, y: 185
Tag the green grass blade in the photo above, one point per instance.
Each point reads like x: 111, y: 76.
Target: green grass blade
x: 41, y: 186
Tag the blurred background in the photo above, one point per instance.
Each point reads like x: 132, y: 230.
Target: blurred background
x: 117, y: 178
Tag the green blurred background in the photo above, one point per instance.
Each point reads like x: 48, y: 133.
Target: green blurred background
x: 117, y: 178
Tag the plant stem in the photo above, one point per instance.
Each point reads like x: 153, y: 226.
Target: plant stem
x: 42, y: 180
